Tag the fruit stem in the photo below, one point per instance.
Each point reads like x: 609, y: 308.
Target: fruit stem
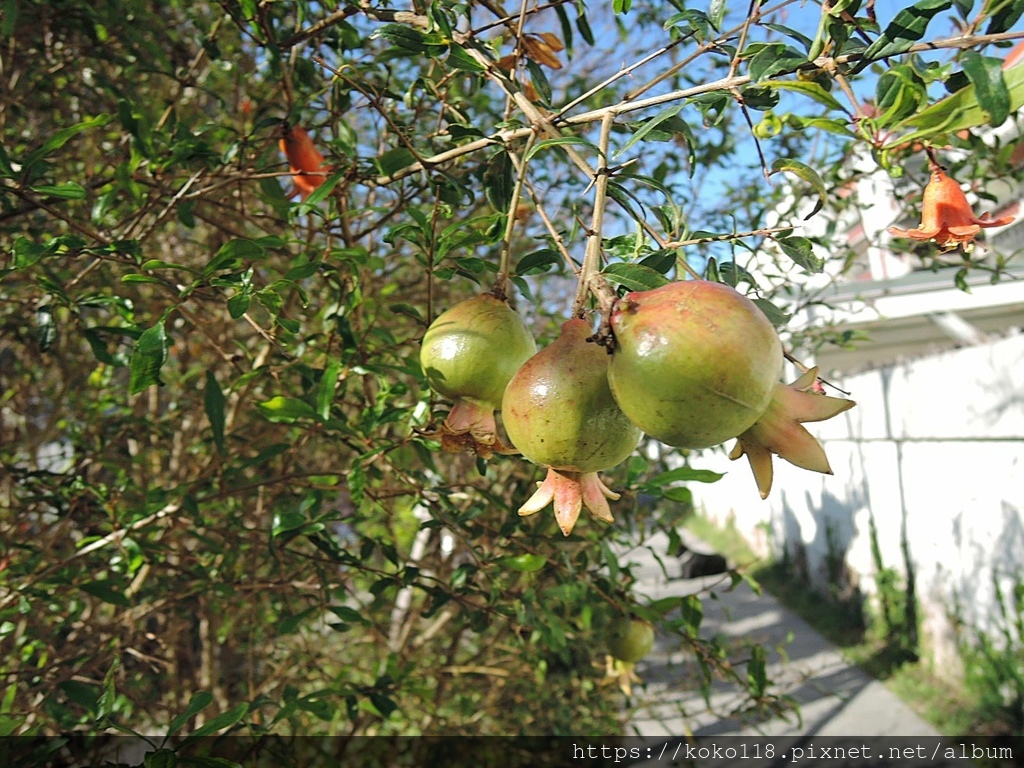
x: 592, y: 257
x: 510, y: 218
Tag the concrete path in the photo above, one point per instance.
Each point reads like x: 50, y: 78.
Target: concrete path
x: 834, y: 697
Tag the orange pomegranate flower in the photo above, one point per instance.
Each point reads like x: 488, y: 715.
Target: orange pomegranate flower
x: 946, y: 216
x: 304, y: 161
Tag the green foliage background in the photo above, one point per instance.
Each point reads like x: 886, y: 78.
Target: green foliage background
x: 215, y: 485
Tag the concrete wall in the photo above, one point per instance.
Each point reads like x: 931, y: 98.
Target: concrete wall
x: 933, y: 454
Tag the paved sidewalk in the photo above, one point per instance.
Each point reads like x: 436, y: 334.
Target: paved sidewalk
x: 835, y: 698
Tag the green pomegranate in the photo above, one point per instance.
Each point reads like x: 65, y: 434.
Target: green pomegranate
x: 559, y: 413
x: 695, y: 362
x: 630, y: 639
x: 469, y: 353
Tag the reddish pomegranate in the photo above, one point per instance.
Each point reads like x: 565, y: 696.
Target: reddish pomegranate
x: 469, y: 353
x: 695, y: 362
x: 559, y: 412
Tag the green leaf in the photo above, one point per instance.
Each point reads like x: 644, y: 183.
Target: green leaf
x: 238, y: 304
x: 807, y: 88
x: 537, y: 262
x: 958, y: 111
x: 395, y: 160
x: 900, y: 92
x: 232, y: 253
x: 5, y: 163
x: 147, y: 358
x: 647, y: 126
x: 801, y: 251
x: 775, y: 59
x: 286, y: 409
x: 325, y: 393
x: 684, y: 475
x: 526, y: 563
x: 161, y: 758
x: 634, y: 277
x: 757, y: 677
x: 560, y: 141
x: 498, y: 182
x: 691, y: 611
x: 986, y: 75
x: 59, y: 138
x: 908, y: 26
x: 716, y: 13
x: 320, y: 193
x: 460, y: 58
x: 213, y: 401
x: 806, y: 173
x: 775, y: 315
x: 200, y: 700
x: 105, y: 590
x: 1003, y: 15
x: 383, y: 704
x: 67, y: 191
x: 219, y: 723
x: 83, y: 694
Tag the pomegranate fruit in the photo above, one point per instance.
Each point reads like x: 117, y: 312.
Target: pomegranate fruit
x: 468, y: 355
x: 780, y: 430
x: 630, y: 639
x: 695, y: 362
x: 559, y: 413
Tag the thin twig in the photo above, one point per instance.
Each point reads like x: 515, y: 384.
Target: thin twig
x: 511, y: 218
x: 592, y: 257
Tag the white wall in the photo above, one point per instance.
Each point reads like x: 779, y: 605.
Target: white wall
x: 934, y: 450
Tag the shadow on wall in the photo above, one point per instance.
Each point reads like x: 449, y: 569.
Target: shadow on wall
x: 821, y: 561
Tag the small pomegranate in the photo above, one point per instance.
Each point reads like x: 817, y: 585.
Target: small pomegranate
x: 629, y: 640
x: 559, y: 412
x: 695, y: 362
x: 468, y: 354
x: 780, y: 430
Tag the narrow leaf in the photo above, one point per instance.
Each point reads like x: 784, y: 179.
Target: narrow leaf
x: 219, y: 723
x: 321, y: 192
x: 559, y: 142
x: 648, y: 126
x: 67, y: 191
x: 200, y: 700
x: 684, y: 475
x: 801, y: 251
x: 986, y: 75
x: 807, y: 88
x: 634, y: 277
x: 959, y: 110
x: 903, y: 31
x: 148, y: 357
x: 325, y: 393
x: 286, y: 409
x: 106, y: 591
x: 537, y: 262
x: 460, y: 58
x: 806, y: 173
x: 213, y: 400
